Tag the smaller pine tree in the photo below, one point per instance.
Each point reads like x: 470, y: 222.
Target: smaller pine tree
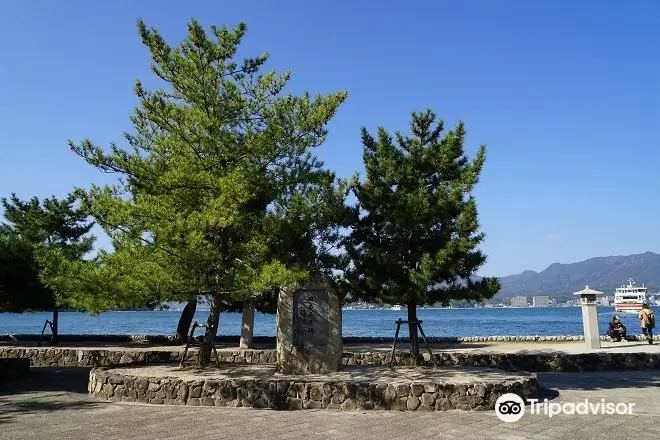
x: 34, y: 228
x: 416, y: 234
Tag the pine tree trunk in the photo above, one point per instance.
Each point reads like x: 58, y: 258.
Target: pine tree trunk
x: 412, y: 329
x: 187, y: 315
x: 53, y: 340
x: 205, y: 350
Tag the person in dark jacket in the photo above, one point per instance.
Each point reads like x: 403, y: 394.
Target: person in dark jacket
x: 616, y: 331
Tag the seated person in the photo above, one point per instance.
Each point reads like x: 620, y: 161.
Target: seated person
x: 617, y: 330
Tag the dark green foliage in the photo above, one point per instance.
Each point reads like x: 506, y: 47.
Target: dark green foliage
x: 20, y: 287
x: 220, y: 193
x: 53, y: 224
x: 34, y: 229
x: 416, y: 237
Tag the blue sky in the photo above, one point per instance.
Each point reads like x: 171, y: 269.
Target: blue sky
x: 564, y: 94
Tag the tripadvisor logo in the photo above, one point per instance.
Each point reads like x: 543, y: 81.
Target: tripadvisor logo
x: 511, y: 407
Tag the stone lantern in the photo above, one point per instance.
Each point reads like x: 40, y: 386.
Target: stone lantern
x: 590, y: 316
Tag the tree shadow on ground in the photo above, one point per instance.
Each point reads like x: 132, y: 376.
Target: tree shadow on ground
x: 70, y: 380
x: 353, y: 373
x: 548, y: 393
x: 10, y: 410
x: 45, y: 390
x: 641, y: 345
x: 601, y: 380
x: 404, y: 346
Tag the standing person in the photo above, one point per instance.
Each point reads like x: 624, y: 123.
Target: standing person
x: 647, y: 321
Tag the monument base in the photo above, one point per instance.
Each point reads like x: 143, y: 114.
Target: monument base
x: 305, y: 361
x: 365, y: 387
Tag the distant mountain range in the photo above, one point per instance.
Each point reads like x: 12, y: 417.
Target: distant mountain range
x: 601, y: 273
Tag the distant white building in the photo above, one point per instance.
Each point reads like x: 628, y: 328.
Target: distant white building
x: 654, y: 299
x: 519, y: 301
x: 541, y: 301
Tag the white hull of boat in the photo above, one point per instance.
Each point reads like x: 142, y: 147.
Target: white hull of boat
x: 627, y: 308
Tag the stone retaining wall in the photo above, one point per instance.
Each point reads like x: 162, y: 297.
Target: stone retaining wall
x: 277, y: 394
x: 77, y: 357
x: 165, y: 340
x: 535, y: 362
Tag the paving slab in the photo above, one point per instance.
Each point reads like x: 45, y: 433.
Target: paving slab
x: 354, y: 373
x: 54, y: 405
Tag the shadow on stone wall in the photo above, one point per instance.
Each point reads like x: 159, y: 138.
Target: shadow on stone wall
x: 532, y: 361
x: 48, y: 386
x: 605, y: 380
x: 49, y: 379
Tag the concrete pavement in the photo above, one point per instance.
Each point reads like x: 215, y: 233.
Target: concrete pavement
x: 53, y: 404
x: 568, y: 347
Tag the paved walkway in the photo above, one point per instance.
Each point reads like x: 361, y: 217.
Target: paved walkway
x: 54, y: 405
x: 568, y: 347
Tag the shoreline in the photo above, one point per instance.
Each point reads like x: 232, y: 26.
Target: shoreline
x: 170, y: 340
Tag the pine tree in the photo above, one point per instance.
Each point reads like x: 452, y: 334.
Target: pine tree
x: 34, y: 227
x: 20, y: 287
x: 219, y: 172
x: 416, y: 234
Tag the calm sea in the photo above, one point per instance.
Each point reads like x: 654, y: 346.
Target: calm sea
x: 437, y: 322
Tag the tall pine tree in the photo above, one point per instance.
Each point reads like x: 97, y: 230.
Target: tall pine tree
x: 416, y: 235
x: 218, y: 172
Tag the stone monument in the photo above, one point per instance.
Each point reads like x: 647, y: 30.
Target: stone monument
x: 309, y: 338
x: 590, y: 316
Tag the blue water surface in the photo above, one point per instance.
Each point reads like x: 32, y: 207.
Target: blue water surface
x: 436, y: 322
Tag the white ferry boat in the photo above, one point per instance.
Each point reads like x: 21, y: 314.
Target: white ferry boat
x: 397, y: 307
x: 629, y: 298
